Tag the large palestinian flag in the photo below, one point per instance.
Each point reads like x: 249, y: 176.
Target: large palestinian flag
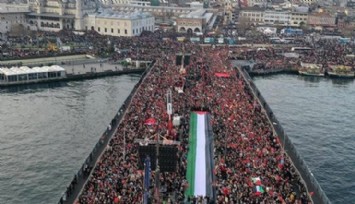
x: 200, y: 156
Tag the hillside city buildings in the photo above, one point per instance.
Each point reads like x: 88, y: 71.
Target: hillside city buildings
x: 79, y: 15
x: 132, y: 17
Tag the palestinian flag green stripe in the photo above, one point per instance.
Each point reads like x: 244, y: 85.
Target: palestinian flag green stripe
x: 191, y: 157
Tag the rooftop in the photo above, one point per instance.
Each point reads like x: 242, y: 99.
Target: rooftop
x: 27, y: 70
x: 121, y: 15
x: 55, y: 15
x: 200, y: 13
x: 13, y: 8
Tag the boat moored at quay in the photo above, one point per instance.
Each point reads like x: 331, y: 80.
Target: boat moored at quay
x: 340, y: 71
x: 309, y: 69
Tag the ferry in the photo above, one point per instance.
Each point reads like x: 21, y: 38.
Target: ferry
x: 27, y: 75
x: 341, y: 71
x: 309, y: 69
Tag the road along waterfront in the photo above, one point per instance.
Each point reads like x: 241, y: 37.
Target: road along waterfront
x: 317, y: 114
x: 47, y: 131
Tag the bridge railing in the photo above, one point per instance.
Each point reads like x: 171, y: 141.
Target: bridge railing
x: 78, y: 182
x: 308, y: 179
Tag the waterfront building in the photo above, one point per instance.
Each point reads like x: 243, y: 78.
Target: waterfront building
x: 79, y: 15
x: 119, y: 23
x: 309, y: 1
x: 196, y: 4
x: 255, y: 15
x: 54, y: 15
x: 194, y: 22
x: 259, y: 3
x: 228, y: 12
x: 321, y: 20
x: 351, y: 4
x: 11, y: 15
x: 277, y: 17
x: 298, y: 18
x: 295, y: 18
x: 127, y: 2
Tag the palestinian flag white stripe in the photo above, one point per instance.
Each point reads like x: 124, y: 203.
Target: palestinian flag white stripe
x: 199, y: 162
x: 200, y: 168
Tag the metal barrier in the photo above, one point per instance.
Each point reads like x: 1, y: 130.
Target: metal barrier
x: 86, y: 168
x: 312, y: 185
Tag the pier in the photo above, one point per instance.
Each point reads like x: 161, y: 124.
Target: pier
x: 101, y: 68
x: 253, y: 161
x: 76, y: 67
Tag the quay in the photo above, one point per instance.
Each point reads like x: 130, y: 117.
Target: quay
x: 248, y: 67
x: 251, y: 158
x: 47, y: 60
x: 77, y: 71
x: 66, y: 68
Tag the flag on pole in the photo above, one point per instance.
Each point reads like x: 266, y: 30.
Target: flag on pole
x: 259, y: 190
x: 256, y: 181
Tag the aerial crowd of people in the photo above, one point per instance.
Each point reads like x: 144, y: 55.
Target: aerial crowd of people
x: 266, y: 54
x: 250, y: 164
x: 324, y: 52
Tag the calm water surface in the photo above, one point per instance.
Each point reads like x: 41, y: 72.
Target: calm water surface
x: 318, y: 115
x: 47, y: 131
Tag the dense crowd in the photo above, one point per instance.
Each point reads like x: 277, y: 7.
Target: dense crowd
x: 250, y: 166
x: 150, y: 45
x: 324, y: 52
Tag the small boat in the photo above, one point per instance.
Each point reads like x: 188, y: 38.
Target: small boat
x: 341, y: 71
x: 309, y: 69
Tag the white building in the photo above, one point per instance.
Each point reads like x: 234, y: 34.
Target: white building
x: 298, y: 18
x: 55, y: 15
x: 120, y: 23
x: 259, y: 3
x: 252, y: 16
x: 11, y: 15
x: 194, y: 22
x: 79, y: 15
x: 309, y: 1
x: 196, y: 4
x: 277, y: 17
x: 125, y: 2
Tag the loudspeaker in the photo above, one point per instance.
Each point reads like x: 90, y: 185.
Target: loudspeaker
x: 186, y: 60
x: 145, y: 151
x: 168, y: 157
x: 178, y: 60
